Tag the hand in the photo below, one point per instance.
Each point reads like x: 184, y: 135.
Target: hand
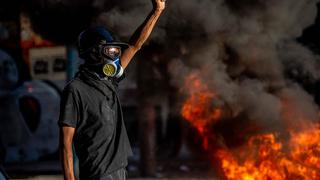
x: 159, y: 4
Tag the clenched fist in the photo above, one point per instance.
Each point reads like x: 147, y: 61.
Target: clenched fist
x: 159, y: 4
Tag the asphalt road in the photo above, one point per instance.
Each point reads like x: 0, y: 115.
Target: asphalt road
x: 57, y: 177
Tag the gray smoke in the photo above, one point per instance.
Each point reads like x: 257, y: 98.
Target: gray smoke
x: 244, y: 50
x: 126, y: 16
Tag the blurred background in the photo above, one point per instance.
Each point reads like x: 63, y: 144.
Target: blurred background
x: 223, y: 89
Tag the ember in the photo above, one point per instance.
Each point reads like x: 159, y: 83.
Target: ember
x: 291, y: 154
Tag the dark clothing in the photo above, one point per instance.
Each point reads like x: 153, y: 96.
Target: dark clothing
x: 92, y: 106
x: 120, y: 174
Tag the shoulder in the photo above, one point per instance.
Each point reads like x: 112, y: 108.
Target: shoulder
x: 71, y: 86
x: 74, y: 86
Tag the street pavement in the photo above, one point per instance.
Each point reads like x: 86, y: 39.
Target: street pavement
x: 58, y: 177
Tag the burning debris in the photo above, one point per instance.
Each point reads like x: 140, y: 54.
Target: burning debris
x: 293, y: 153
x: 266, y: 157
x: 241, y: 60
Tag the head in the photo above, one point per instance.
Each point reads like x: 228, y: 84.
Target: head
x: 101, y: 51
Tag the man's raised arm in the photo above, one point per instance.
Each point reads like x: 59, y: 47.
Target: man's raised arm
x: 143, y: 32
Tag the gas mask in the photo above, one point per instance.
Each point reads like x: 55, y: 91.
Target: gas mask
x: 101, y: 51
x: 111, y: 66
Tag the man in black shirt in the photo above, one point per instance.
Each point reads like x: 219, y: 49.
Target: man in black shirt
x: 90, y: 113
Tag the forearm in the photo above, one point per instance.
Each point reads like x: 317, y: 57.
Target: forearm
x: 140, y: 36
x: 67, y: 162
x: 144, y: 31
x: 66, y: 153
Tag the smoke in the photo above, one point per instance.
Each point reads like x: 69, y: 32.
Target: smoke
x: 244, y: 50
x: 126, y: 16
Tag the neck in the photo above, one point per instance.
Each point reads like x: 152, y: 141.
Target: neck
x: 96, y: 70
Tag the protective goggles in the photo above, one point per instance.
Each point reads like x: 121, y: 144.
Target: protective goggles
x: 112, y: 52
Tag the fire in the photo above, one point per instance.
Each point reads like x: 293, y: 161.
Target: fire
x: 263, y: 147
x: 198, y: 108
x: 305, y: 147
x: 292, y: 154
x: 268, y: 157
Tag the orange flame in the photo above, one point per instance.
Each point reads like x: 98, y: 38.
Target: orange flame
x: 270, y: 156
x: 266, y: 158
x: 197, y: 109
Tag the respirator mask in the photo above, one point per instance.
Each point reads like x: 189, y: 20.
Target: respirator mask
x: 111, y: 65
x: 101, y: 51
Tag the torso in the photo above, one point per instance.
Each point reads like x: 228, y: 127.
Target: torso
x: 101, y: 141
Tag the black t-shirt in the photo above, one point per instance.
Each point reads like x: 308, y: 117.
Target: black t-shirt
x: 92, y: 106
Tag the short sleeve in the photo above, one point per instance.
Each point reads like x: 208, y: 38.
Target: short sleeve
x: 69, y: 109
